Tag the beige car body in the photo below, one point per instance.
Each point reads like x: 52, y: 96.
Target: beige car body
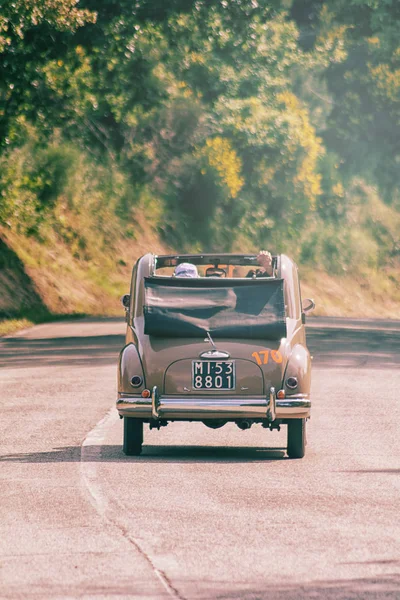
x: 263, y: 368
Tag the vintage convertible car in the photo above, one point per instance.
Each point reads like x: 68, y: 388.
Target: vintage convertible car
x: 227, y: 346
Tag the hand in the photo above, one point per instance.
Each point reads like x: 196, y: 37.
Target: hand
x: 264, y: 259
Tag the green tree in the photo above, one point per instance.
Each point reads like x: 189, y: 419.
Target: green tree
x: 31, y: 33
x: 363, y: 127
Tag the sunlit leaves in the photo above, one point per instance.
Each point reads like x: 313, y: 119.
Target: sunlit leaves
x: 386, y: 81
x: 364, y: 124
x: 219, y: 155
x: 18, y: 16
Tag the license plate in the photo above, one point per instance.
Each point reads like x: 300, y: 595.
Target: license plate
x: 213, y: 375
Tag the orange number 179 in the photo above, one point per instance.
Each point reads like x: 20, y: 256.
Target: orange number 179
x: 275, y: 355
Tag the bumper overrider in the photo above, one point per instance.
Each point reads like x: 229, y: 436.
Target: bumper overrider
x: 198, y: 409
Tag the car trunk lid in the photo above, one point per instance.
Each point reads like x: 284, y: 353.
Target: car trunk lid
x: 245, y: 367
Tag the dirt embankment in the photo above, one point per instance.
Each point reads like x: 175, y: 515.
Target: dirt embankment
x: 46, y: 280
x: 40, y: 282
x: 18, y: 294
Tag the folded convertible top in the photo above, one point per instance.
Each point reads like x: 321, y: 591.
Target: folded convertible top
x: 230, y: 309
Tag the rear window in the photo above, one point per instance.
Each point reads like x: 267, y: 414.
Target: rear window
x: 252, y: 308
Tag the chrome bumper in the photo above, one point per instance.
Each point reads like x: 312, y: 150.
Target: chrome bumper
x: 199, y: 409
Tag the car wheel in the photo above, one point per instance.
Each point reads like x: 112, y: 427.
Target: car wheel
x: 133, y: 436
x: 296, y: 441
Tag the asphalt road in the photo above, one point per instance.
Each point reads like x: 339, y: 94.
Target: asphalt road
x: 202, y: 514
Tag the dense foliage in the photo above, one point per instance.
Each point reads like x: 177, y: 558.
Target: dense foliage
x: 239, y: 124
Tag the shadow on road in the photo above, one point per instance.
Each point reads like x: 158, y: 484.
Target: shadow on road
x: 387, y: 471
x: 382, y: 587
x: 332, y: 347
x: 373, y: 562
x: 156, y: 454
x: 349, y: 348
x: 63, y: 351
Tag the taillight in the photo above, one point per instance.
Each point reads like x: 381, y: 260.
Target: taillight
x: 136, y: 381
x: 292, y: 383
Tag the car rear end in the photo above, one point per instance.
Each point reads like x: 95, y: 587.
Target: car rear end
x: 214, y: 352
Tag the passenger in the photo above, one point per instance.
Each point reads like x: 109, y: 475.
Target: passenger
x: 215, y: 272
x: 186, y: 270
x: 264, y: 259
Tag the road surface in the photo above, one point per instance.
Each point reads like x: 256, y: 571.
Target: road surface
x: 202, y: 514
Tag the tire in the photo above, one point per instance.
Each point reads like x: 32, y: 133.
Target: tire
x: 133, y: 436
x: 296, y: 440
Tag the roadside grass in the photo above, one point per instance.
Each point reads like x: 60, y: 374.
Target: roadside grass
x: 373, y: 294
x: 68, y: 282
x: 75, y: 255
x: 9, y: 326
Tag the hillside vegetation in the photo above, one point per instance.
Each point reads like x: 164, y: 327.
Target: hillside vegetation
x: 196, y: 125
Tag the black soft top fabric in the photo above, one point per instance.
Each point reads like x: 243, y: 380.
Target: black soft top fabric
x: 226, y: 308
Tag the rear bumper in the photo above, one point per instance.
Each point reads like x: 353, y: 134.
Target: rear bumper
x: 199, y: 409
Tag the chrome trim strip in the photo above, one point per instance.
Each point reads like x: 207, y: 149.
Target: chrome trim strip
x: 214, y: 354
x: 269, y: 408
x: 271, y: 405
x: 193, y: 408
x: 155, y: 403
x: 293, y: 408
x: 293, y: 403
x: 142, y: 402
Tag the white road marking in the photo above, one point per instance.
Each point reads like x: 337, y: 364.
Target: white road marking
x: 90, y: 455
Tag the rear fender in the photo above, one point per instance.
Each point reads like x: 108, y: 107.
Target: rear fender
x: 299, y: 366
x: 130, y: 365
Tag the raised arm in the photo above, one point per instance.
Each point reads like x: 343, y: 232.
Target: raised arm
x: 264, y: 259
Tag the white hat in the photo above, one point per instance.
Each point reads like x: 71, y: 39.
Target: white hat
x: 186, y: 270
